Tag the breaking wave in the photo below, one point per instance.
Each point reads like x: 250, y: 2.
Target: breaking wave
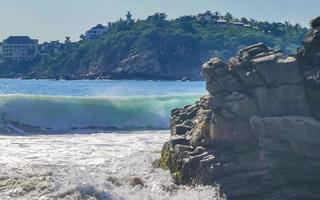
x: 27, y: 114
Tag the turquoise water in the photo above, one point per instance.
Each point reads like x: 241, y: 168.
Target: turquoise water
x: 84, y: 88
x: 44, y: 106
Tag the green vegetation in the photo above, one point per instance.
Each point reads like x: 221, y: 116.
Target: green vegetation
x: 178, y: 47
x: 164, y: 160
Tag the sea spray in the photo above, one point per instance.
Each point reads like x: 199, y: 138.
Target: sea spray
x: 89, y: 166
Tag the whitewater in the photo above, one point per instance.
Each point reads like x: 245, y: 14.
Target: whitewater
x: 90, y: 139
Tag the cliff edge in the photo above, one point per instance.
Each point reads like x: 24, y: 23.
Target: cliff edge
x: 257, y: 132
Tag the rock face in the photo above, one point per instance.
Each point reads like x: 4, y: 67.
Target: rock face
x: 309, y: 60
x: 257, y: 133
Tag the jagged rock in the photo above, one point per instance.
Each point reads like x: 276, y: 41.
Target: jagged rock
x: 235, y: 105
x: 181, y: 129
x: 309, y: 55
x: 257, y: 134
x: 253, y: 50
x: 218, y: 77
x: 315, y: 22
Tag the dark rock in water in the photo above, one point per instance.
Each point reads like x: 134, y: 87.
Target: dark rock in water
x: 135, y: 181
x: 114, y: 180
x: 257, y: 134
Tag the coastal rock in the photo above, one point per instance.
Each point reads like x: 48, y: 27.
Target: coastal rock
x: 315, y: 22
x: 257, y: 132
x: 309, y: 55
x: 140, y: 63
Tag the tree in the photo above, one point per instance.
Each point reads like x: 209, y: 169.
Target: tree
x: 244, y: 20
x: 297, y: 27
x: 253, y: 22
x: 82, y: 37
x: 217, y: 14
x: 288, y: 26
x: 228, y: 17
x: 157, y: 18
x: 186, y: 18
x: 67, y: 40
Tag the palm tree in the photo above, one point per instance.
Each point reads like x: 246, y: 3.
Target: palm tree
x: 217, y: 14
x: 287, y: 25
x: 297, y: 27
x: 228, y: 17
x: 253, y: 22
x: 67, y: 40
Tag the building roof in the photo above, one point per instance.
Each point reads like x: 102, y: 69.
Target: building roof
x: 19, y: 40
x: 221, y: 21
x: 99, y: 26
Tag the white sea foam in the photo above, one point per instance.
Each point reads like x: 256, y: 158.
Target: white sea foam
x: 97, y: 166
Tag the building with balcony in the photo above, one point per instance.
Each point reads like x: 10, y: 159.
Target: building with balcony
x: 19, y: 48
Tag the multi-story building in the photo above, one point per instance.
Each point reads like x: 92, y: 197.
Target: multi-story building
x: 19, y: 48
x: 95, y: 32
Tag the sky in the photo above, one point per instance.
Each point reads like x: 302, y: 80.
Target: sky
x: 48, y: 20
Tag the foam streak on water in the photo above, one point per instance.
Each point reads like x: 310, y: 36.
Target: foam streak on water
x: 99, y: 166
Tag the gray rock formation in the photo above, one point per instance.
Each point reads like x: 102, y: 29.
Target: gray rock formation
x: 257, y: 133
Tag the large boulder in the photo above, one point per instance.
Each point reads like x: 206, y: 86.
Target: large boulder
x: 257, y: 133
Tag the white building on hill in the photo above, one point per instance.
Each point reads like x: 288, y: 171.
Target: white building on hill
x: 19, y: 48
x: 95, y: 32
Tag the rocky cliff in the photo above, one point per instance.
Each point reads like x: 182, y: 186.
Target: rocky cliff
x: 257, y: 133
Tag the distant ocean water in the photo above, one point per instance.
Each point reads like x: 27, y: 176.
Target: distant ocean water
x: 44, y: 157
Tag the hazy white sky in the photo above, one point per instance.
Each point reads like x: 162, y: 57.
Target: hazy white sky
x: 55, y: 19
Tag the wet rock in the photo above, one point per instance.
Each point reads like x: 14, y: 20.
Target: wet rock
x: 135, y: 181
x: 114, y: 180
x: 218, y: 77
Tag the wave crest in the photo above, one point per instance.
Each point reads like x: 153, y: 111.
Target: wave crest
x: 25, y: 114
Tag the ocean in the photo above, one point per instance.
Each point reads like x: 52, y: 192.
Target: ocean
x: 90, y: 139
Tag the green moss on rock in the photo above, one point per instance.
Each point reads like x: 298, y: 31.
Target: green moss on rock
x: 164, y: 160
x: 177, y: 177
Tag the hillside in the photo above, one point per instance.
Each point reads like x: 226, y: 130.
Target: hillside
x: 155, y: 48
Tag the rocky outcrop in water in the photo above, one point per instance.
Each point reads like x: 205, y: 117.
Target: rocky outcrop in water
x: 257, y: 133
